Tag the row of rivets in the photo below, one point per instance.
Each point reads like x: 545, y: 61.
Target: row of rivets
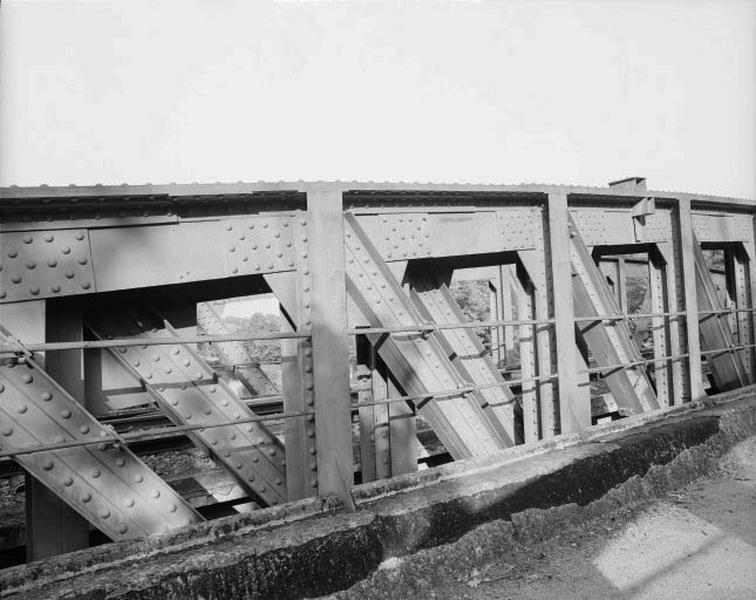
x: 178, y: 361
x: 261, y: 244
x: 406, y: 236
x: 47, y: 462
x: 44, y: 268
x: 305, y: 315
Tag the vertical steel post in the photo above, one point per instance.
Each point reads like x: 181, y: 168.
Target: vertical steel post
x: 494, y: 305
x: 53, y: 527
x: 573, y: 415
x: 330, y: 355
x: 685, y: 224
x: 659, y: 330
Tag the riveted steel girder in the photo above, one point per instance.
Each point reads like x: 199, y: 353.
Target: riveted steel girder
x: 434, y: 301
x: 104, y: 482
x: 609, y: 342
x: 727, y: 367
x: 417, y: 360
x: 185, y: 388
x: 234, y: 354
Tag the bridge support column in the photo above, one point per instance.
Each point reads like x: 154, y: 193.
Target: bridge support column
x: 53, y: 527
x: 687, y: 240
x: 333, y: 421
x: 573, y: 416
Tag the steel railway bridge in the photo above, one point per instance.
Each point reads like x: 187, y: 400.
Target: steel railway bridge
x: 106, y: 300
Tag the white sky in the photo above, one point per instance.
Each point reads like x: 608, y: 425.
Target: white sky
x: 555, y: 92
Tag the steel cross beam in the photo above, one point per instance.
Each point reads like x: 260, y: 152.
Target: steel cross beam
x: 727, y: 368
x: 105, y: 483
x: 234, y: 354
x: 185, y: 389
x: 463, y: 347
x: 418, y: 362
x: 609, y: 342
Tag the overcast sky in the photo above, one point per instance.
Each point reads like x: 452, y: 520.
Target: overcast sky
x: 510, y: 92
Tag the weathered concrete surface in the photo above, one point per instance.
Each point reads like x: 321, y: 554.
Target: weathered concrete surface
x: 310, y: 549
x: 696, y: 542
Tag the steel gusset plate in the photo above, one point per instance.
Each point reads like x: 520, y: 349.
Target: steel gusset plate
x: 45, y: 264
x: 258, y: 245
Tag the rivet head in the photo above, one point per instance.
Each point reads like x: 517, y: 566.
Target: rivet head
x: 31, y: 265
x: 27, y: 378
x: 95, y: 473
x: 8, y: 431
x: 55, y: 289
x: 120, y: 461
x: 28, y: 239
x: 84, y: 429
x: 12, y: 254
x: 138, y: 478
x: 172, y: 508
x: 34, y: 290
x: 86, y: 497
x: 123, y: 528
x: 68, y: 482
x: 65, y: 413
x: 156, y: 494
x: 130, y: 503
x: 79, y: 236
x: 105, y: 514
x: 66, y: 250
x: 86, y: 285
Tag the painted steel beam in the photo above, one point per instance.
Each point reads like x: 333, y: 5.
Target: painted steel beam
x: 727, y: 368
x: 105, y: 483
x: 417, y: 361
x: 573, y: 416
x: 609, y: 342
x: 52, y: 526
x: 294, y: 292
x: 234, y: 354
x: 686, y: 243
x: 185, y: 389
x: 435, y: 304
x: 333, y: 412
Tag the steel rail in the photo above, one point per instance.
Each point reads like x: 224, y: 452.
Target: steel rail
x: 664, y: 359
x: 11, y: 347
x: 164, y: 432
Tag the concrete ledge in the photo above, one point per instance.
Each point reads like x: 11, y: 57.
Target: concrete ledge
x: 311, y: 548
